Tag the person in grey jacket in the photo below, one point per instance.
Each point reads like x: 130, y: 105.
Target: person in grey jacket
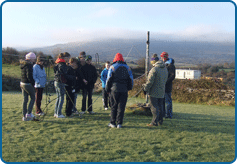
x: 155, y: 88
x: 39, y: 76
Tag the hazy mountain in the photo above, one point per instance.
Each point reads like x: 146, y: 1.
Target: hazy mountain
x: 182, y: 52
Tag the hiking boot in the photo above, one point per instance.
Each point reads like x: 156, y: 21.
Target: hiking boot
x: 111, y: 125
x: 60, y: 116
x: 119, y: 126
x: 28, y: 117
x: 91, y: 112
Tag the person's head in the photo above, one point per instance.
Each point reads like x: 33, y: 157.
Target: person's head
x: 73, y: 63
x: 164, y: 56
x: 154, y: 59
x: 118, y: 57
x: 82, y: 56
x: 88, y: 59
x: 66, y: 56
x: 107, y: 65
x: 40, y: 60
x: 30, y: 57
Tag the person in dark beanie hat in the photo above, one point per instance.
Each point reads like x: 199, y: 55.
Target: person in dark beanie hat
x: 119, y: 82
x: 167, y: 106
x: 90, y: 74
x: 155, y: 88
x: 27, y: 85
x: 154, y: 59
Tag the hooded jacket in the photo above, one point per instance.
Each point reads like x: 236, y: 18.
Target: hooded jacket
x: 120, y: 78
x: 39, y: 76
x: 155, y: 85
x: 171, y: 74
x: 103, y: 77
x: 27, y: 72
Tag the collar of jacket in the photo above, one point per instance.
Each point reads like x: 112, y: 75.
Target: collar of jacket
x: 159, y: 64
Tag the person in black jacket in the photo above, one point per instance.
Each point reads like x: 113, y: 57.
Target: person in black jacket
x: 27, y: 85
x: 90, y: 74
x: 71, y: 86
x: 167, y: 106
x: 119, y: 82
x: 60, y: 79
x: 81, y: 81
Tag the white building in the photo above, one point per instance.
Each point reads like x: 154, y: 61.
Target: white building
x: 187, y: 74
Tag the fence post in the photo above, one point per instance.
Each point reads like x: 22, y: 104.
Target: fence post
x: 147, y: 59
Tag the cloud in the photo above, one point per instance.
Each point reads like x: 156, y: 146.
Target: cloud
x: 105, y: 12
x: 67, y: 35
x: 200, y: 33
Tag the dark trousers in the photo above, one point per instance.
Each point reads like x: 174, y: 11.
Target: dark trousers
x: 168, y: 105
x: 156, y: 110
x: 105, y: 98
x: 38, y: 99
x: 69, y: 100
x: 28, y: 90
x: 118, y: 103
x: 87, y: 92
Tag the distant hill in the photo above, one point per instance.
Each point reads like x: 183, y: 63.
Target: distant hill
x: 182, y: 52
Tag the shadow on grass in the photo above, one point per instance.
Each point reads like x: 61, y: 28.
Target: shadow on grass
x: 181, y: 122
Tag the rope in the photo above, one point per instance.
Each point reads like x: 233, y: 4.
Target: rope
x: 129, y: 53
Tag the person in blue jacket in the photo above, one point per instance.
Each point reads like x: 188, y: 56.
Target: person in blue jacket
x: 167, y: 106
x: 39, y: 76
x: 119, y: 82
x: 103, y: 78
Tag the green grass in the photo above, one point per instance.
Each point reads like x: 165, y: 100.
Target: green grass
x: 15, y: 71
x: 226, y: 70
x: 197, y: 133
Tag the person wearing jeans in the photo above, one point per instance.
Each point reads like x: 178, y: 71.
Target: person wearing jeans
x: 60, y: 92
x: 27, y: 85
x: 60, y: 79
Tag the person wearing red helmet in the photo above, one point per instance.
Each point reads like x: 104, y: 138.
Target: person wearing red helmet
x: 119, y: 82
x: 169, y: 62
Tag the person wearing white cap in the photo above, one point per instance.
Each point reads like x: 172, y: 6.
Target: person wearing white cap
x: 27, y: 85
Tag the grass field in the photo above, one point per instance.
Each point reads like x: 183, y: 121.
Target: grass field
x: 198, y: 133
x: 15, y: 71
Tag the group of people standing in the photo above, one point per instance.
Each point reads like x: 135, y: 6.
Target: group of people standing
x: 75, y: 74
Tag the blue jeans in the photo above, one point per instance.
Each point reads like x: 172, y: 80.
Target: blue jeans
x: 60, y: 91
x: 168, y: 105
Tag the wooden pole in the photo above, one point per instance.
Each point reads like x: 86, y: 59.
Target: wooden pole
x: 147, y: 59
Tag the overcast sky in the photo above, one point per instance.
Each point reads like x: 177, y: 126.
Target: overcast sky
x: 45, y: 24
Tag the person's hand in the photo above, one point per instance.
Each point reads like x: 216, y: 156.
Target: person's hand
x: 85, y: 81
